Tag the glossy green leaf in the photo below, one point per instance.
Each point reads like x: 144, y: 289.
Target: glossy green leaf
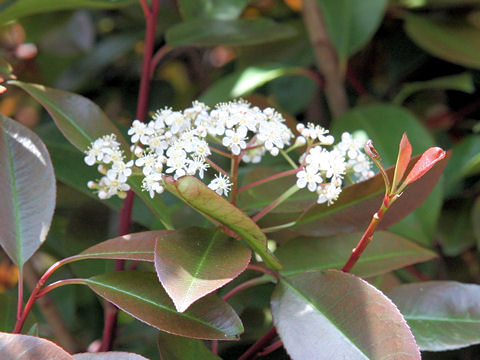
x: 351, y: 23
x: 454, y: 41
x: 212, y: 9
x: 137, y: 246
x: 200, y: 197
x: 25, y: 347
x: 227, y: 32
x: 460, y: 82
x: 242, y: 82
x: 385, y: 125
x: 27, y: 191
x: 385, y: 253
x: 443, y: 315
x: 194, y: 262
x: 14, y: 9
x: 141, y: 295
x: 336, y: 315
x: 78, y: 118
x: 172, y: 347
x: 111, y: 355
x: 358, y: 202
x: 465, y: 161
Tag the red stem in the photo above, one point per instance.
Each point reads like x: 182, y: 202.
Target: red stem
x: 270, y: 178
x: 262, y: 269
x: 260, y: 344
x: 368, y: 235
x: 270, y: 348
x: 20, y: 294
x: 151, y: 16
x: 245, y: 285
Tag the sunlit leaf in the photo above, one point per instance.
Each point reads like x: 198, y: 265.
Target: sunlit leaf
x: 443, y: 315
x: 142, y: 296
x: 172, y: 347
x: 15, y: 9
x: 451, y: 40
x: 78, y: 118
x: 212, y: 9
x: 385, y: 253
x: 27, y: 191
x: 244, y: 81
x: 111, y: 355
x: 25, y: 347
x: 336, y: 315
x: 460, y: 82
x: 137, y: 246
x: 351, y: 23
x: 227, y: 32
x: 194, y: 262
x: 209, y: 203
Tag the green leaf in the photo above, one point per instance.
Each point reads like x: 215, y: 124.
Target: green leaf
x: 27, y: 191
x: 5, y: 68
x: 385, y: 125
x: 137, y: 246
x: 450, y: 40
x: 173, y: 347
x: 243, y: 82
x: 436, y: 3
x: 8, y: 308
x: 78, y: 118
x: 385, y: 253
x: 358, y: 202
x: 25, y: 347
x: 200, y: 197
x: 227, y: 32
x: 336, y: 315
x: 465, y: 161
x: 194, y: 262
x: 140, y: 295
x: 460, y: 82
x: 455, y: 230
x: 351, y: 23
x: 443, y: 315
x: 111, y: 355
x: 212, y: 9
x: 14, y: 9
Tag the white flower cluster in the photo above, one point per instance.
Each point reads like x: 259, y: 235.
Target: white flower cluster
x: 106, y: 150
x: 323, y: 170
x: 175, y: 143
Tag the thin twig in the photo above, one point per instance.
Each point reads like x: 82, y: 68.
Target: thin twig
x: 260, y: 344
x: 60, y: 330
x: 326, y: 56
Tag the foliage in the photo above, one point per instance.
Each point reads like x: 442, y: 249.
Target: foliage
x: 230, y: 228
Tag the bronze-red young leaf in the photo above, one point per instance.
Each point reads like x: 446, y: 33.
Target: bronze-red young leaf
x: 403, y: 159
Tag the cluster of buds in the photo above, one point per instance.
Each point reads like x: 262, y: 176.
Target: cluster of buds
x: 179, y: 143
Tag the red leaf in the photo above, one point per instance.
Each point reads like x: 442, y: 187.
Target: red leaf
x: 404, y: 154
x: 425, y: 163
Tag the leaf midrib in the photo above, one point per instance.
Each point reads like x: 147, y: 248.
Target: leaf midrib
x: 307, y: 299
x: 148, y: 301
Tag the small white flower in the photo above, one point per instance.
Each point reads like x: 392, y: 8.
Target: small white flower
x: 178, y: 166
x: 235, y: 140
x: 309, y: 177
x: 350, y: 146
x: 328, y: 193
x: 152, y: 184
x: 140, y: 132
x: 221, y: 185
x: 120, y: 170
x: 197, y: 164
